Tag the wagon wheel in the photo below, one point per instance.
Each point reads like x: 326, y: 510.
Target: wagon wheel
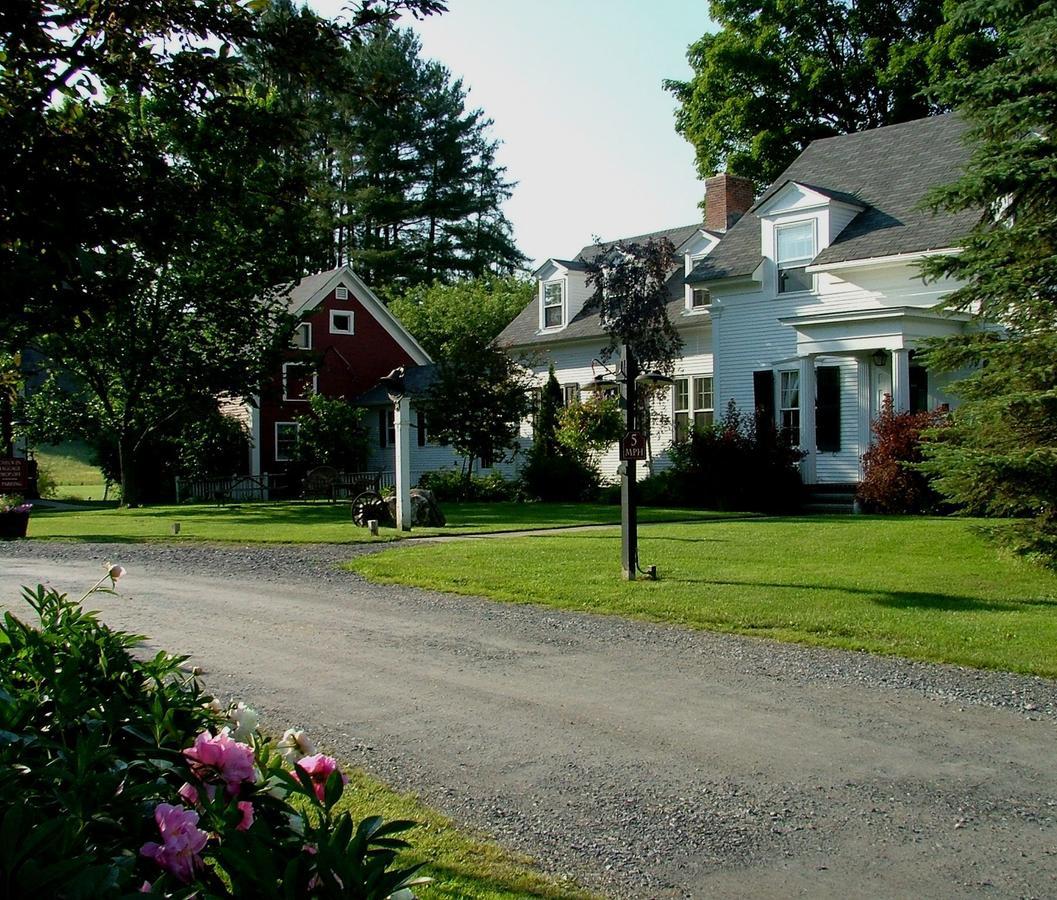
x: 369, y: 505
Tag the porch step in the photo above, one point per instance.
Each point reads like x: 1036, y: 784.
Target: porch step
x: 830, y: 498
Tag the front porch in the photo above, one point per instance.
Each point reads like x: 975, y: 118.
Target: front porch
x: 874, y: 353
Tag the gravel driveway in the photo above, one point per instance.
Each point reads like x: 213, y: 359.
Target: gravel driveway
x: 644, y: 761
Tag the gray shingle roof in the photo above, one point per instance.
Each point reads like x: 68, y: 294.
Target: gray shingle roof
x: 889, y: 171
x: 306, y: 288
x: 417, y: 381
x: 524, y: 330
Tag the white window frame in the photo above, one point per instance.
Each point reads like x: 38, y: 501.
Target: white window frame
x: 562, y: 286
x: 304, y: 328
x: 691, y: 412
x: 341, y: 293
x: 798, y: 262
x: 785, y: 375
x: 297, y: 428
x: 700, y: 307
x: 315, y: 383
x: 342, y: 312
x: 691, y: 264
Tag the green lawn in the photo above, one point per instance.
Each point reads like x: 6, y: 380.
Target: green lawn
x: 74, y: 475
x: 311, y: 522
x: 461, y: 864
x: 932, y: 589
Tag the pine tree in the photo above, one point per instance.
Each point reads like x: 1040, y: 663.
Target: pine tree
x: 1000, y: 454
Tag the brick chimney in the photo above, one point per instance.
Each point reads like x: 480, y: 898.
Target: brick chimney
x: 727, y: 199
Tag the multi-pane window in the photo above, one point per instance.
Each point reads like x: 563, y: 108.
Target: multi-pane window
x: 570, y: 393
x: 704, y: 407
x: 302, y: 336
x: 553, y: 303
x: 789, y: 406
x: 795, y: 250
x: 692, y: 402
x: 299, y: 381
x: 285, y: 440
x: 700, y: 298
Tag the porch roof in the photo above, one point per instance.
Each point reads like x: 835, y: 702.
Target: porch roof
x: 887, y: 328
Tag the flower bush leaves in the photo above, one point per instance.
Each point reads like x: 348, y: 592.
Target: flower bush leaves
x: 119, y: 775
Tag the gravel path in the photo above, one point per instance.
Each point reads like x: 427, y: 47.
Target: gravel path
x: 642, y: 760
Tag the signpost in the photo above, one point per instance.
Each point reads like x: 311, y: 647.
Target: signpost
x: 14, y: 476
x: 633, y: 446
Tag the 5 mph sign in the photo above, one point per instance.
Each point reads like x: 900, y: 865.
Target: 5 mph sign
x: 633, y: 446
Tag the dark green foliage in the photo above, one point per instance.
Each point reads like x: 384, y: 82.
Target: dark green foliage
x: 891, y: 481
x: 402, y: 175
x: 630, y: 284
x: 734, y: 464
x: 332, y: 433
x: 480, y: 396
x: 449, y: 320
x: 1000, y: 454
x: 92, y: 740
x: 88, y: 737
x: 594, y: 424
x: 451, y: 485
x: 563, y: 478
x: 778, y: 75
x: 212, y: 445
x: 554, y: 471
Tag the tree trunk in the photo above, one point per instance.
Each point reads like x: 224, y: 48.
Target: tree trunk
x: 126, y: 457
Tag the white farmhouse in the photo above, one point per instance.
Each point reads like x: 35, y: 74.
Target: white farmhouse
x: 805, y: 304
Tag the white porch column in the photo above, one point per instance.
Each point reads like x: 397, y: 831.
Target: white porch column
x: 865, y: 407
x: 901, y: 380
x: 255, y: 437
x: 807, y: 418
x: 402, y: 461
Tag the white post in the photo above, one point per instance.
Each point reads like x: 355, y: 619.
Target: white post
x: 807, y: 418
x: 402, y: 423
x: 901, y: 380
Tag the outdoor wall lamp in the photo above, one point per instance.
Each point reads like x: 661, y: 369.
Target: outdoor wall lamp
x: 880, y: 358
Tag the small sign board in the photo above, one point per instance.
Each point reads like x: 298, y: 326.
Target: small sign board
x: 633, y: 445
x: 14, y: 476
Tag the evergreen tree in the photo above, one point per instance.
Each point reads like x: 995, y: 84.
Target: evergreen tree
x: 1000, y: 454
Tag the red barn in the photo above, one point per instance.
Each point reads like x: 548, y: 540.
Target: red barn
x: 345, y: 340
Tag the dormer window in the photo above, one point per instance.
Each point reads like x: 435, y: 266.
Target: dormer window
x: 553, y: 304
x: 700, y: 298
x: 794, y: 250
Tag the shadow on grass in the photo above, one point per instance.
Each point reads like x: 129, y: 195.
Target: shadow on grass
x: 906, y: 600
x: 460, y: 878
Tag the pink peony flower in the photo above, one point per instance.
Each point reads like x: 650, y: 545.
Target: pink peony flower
x: 319, y: 769
x: 220, y: 756
x: 116, y: 572
x: 246, y: 808
x: 182, y: 841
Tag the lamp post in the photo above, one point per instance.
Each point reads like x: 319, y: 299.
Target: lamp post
x: 628, y: 378
x: 396, y: 389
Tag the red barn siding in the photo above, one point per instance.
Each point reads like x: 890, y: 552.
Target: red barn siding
x: 348, y: 365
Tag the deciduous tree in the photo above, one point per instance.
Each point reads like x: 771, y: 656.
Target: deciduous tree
x: 776, y: 76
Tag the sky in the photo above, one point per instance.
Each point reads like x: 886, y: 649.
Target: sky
x: 574, y: 90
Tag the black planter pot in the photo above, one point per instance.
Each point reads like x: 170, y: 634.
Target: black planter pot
x: 13, y: 525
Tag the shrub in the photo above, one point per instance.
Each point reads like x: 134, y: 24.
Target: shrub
x: 563, y: 477
x: 452, y: 485
x: 891, y: 481
x: 735, y: 464
x: 117, y: 776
